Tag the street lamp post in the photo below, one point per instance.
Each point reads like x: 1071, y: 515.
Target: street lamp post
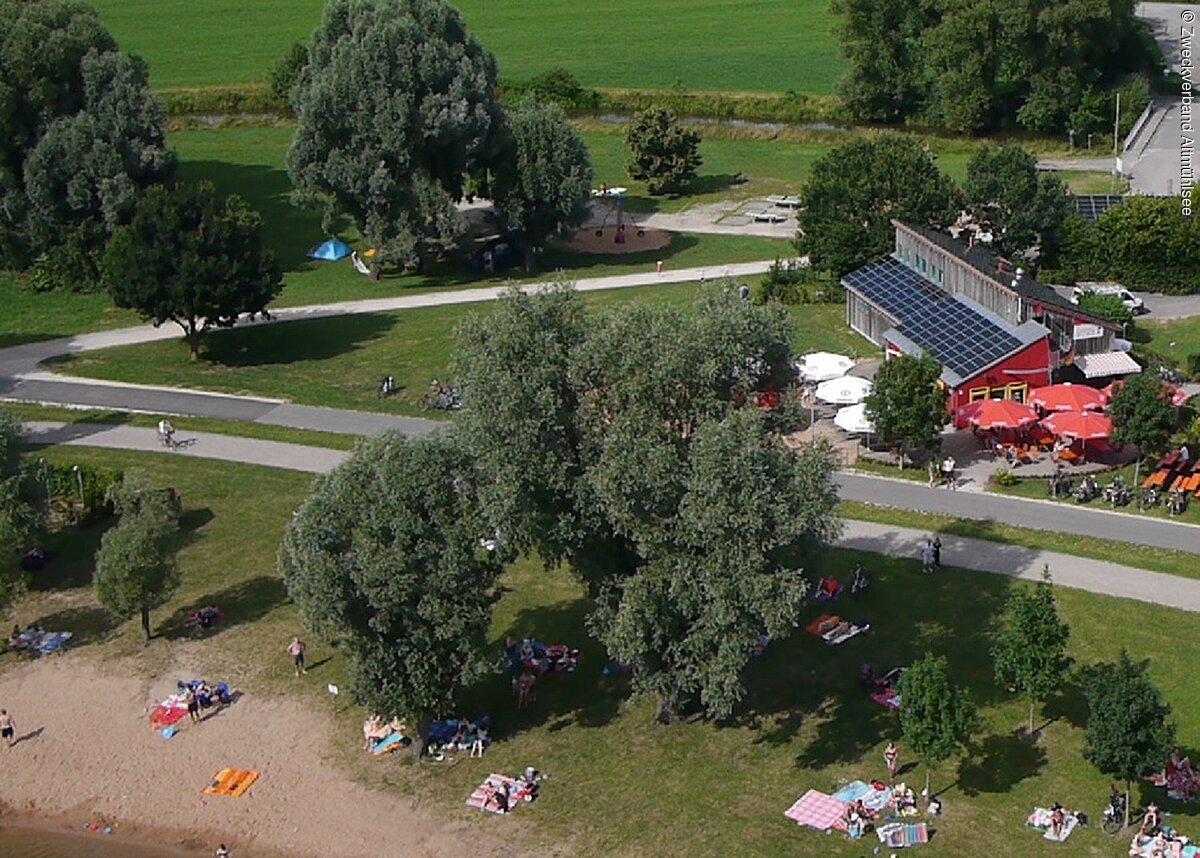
x: 79, y: 482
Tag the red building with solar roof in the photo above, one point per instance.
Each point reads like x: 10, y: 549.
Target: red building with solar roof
x: 996, y: 332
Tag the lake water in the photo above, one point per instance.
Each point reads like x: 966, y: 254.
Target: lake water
x: 38, y: 843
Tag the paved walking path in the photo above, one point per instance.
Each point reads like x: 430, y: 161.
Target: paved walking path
x: 1022, y: 512
x: 22, y: 379
x: 1095, y: 576
x: 976, y: 554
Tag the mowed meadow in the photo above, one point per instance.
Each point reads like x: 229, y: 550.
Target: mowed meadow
x: 765, y: 46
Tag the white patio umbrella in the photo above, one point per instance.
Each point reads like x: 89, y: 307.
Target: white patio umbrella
x: 853, y: 419
x: 847, y: 390
x: 822, y: 366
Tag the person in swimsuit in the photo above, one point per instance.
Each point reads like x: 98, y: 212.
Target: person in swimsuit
x: 193, y: 705
x: 8, y: 727
x: 891, y: 756
x: 222, y: 851
x: 296, y: 650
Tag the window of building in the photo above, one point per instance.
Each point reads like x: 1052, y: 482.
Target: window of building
x: 1017, y: 391
x: 977, y: 393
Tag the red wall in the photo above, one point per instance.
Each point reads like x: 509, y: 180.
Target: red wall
x: 1035, y: 356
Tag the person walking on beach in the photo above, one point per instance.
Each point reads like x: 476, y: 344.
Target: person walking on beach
x: 296, y: 650
x: 8, y: 727
x: 193, y: 705
x: 891, y: 756
x: 222, y: 851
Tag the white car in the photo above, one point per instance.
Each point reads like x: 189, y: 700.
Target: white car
x: 1132, y: 302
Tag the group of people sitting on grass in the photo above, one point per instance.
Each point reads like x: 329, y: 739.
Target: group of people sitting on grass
x: 376, y: 731
x: 1180, y: 778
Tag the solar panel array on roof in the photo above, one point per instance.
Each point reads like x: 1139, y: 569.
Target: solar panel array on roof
x: 1091, y: 206
x: 954, y: 331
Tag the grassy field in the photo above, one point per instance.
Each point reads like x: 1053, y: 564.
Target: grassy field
x: 1176, y: 340
x: 718, y: 44
x: 337, y: 361
x: 1091, y: 182
x: 620, y: 786
x: 30, y: 316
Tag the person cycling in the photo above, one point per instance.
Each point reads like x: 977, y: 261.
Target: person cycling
x: 166, y: 433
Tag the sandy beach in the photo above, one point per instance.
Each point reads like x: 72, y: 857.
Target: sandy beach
x: 87, y: 752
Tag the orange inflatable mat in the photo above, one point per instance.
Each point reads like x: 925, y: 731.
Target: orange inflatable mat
x: 233, y: 782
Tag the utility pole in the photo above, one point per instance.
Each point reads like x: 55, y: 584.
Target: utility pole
x: 1116, y: 124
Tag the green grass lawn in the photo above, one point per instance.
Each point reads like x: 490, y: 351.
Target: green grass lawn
x: 336, y: 362
x: 775, y: 46
x: 28, y: 316
x: 1091, y: 182
x: 620, y: 786
x: 1177, y: 340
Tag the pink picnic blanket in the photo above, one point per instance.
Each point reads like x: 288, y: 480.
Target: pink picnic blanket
x: 488, y: 795
x: 818, y: 810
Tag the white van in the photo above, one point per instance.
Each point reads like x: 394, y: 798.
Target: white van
x: 1132, y: 302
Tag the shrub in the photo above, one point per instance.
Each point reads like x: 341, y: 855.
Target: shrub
x: 81, y: 494
x: 791, y: 283
x: 1004, y: 477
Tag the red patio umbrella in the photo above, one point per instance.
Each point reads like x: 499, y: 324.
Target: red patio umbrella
x: 1084, y: 425
x: 1068, y: 397
x: 998, y: 414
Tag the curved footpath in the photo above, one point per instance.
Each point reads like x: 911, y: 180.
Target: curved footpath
x: 22, y: 379
x: 959, y: 552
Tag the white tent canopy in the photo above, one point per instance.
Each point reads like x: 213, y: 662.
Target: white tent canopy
x: 853, y: 419
x: 847, y: 390
x: 822, y: 366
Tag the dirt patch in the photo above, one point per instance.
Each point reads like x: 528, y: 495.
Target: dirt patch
x: 587, y: 241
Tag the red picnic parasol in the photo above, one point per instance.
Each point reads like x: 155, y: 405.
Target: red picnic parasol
x: 998, y: 414
x: 1084, y: 425
x: 1068, y: 397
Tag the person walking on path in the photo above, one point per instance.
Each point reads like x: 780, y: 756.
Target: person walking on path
x: 8, y: 727
x: 933, y: 474
x: 296, y: 650
x: 891, y: 756
x: 927, y: 557
x: 937, y: 551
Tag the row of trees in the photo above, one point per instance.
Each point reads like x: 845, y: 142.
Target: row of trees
x: 1129, y: 732
x: 855, y: 190
x: 647, y: 471
x: 1046, y: 65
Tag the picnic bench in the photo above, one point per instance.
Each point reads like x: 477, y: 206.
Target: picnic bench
x: 763, y: 216
x: 784, y: 202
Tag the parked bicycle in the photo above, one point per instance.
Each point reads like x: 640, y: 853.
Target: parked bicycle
x: 442, y: 397
x: 1149, y: 498
x: 1114, y: 813
x: 1117, y: 492
x: 387, y: 386
x: 1088, y: 490
x: 1177, y: 503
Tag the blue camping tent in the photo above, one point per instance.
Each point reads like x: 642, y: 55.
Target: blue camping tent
x: 331, y: 250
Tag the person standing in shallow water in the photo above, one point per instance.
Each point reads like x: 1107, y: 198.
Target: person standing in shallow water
x: 296, y: 650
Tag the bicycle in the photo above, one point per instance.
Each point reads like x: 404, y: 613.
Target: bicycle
x: 1114, y: 815
x: 174, y: 444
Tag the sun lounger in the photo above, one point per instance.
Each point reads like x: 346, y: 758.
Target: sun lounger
x: 817, y: 810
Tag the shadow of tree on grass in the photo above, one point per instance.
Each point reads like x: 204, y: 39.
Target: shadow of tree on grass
x: 999, y: 763
x: 244, y: 602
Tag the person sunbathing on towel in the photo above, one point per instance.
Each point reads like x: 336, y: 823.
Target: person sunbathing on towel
x: 1058, y: 820
x: 1152, y: 821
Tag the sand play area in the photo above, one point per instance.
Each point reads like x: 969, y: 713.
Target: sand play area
x: 86, y: 751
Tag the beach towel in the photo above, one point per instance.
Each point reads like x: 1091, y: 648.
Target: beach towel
x: 817, y: 810
x: 853, y: 791
x: 389, y: 743
x: 897, y: 835
x: 167, y: 713
x: 487, y: 795
x: 232, y: 782
x: 1040, y: 819
x: 822, y: 624
x: 876, y: 800
x: 841, y: 634
x: 52, y: 641
x: 888, y: 697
